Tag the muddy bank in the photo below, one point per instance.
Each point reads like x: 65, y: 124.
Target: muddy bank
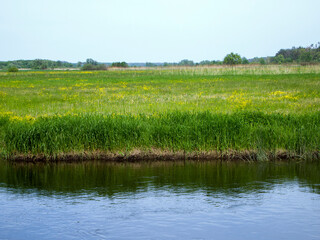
x: 162, y: 155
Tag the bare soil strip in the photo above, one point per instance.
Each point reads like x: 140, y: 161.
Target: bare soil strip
x: 162, y: 155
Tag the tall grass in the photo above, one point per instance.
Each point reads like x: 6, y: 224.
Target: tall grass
x: 233, y: 70
x: 298, y: 135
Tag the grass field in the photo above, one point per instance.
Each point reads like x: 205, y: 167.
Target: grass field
x: 265, y: 109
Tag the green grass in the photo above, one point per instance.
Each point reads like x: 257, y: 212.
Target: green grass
x: 266, y: 109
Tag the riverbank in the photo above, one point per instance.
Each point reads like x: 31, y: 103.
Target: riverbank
x: 164, y: 156
x: 167, y: 136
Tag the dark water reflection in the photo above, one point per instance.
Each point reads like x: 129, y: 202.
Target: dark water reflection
x: 201, y: 200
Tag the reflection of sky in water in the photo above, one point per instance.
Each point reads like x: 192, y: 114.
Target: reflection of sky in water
x: 283, y: 211
x: 161, y: 206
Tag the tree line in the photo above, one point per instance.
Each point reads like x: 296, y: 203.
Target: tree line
x: 39, y: 64
x: 300, y: 55
x: 91, y: 64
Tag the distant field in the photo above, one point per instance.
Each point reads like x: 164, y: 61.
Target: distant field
x: 34, y: 94
x: 30, y: 98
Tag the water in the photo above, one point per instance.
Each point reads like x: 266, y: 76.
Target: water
x: 192, y: 200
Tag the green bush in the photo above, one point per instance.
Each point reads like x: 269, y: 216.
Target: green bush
x: 262, y: 61
x: 120, y: 64
x: 13, y: 69
x: 244, y: 60
x: 90, y: 67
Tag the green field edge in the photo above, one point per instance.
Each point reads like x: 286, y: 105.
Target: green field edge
x: 174, y: 135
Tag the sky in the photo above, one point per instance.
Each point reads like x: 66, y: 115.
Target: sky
x: 154, y: 30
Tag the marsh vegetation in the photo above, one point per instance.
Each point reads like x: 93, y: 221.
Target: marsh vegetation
x: 265, y: 110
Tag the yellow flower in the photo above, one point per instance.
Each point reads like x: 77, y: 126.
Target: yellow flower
x: 16, y: 118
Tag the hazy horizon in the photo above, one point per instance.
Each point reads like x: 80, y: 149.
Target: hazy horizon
x: 154, y: 31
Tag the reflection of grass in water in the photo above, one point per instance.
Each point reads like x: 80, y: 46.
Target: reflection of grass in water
x: 110, y: 179
x: 190, y: 132
x: 263, y: 109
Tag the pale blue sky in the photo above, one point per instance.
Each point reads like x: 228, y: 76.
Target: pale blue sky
x: 154, y: 30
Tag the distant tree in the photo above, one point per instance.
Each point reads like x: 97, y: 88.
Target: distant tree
x: 124, y: 64
x: 244, y: 60
x: 218, y: 62
x: 12, y: 68
x: 149, y: 64
x: 59, y: 64
x: 209, y: 63
x: 120, y: 64
x: 288, y: 60
x: 316, y: 57
x: 300, y: 54
x: 279, y: 59
x: 305, y: 56
x: 166, y: 64
x: 186, y: 62
x: 255, y: 60
x: 44, y: 65
x: 232, y: 59
x: 37, y: 63
x: 91, y: 61
x: 79, y: 64
x: 41, y: 64
x: 91, y: 67
x: 101, y: 67
x: 87, y: 67
x: 262, y: 61
x: 205, y: 62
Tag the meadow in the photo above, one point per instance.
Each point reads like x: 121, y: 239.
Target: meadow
x: 265, y: 111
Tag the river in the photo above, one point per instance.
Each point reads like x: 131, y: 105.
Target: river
x: 162, y: 200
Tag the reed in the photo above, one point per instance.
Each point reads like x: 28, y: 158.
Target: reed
x: 298, y: 135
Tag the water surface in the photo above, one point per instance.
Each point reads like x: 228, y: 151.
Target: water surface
x: 190, y: 200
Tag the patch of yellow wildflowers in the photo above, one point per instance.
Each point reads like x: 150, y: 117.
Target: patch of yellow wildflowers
x: 6, y: 113
x: 19, y: 118
x: 280, y: 95
x: 123, y: 84
x: 83, y: 84
x: 239, y: 100
x: 145, y: 87
x: 65, y: 88
x: 117, y: 96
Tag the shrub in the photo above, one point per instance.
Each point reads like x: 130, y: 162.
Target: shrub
x: 91, y: 67
x: 262, y: 61
x: 120, y: 64
x: 244, y: 60
x: 13, y: 69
